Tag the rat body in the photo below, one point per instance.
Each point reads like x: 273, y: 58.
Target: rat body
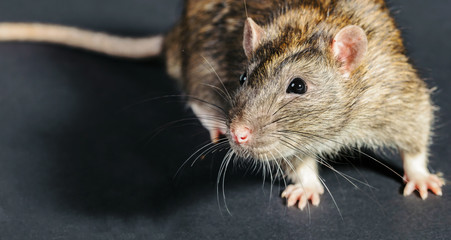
x: 316, y: 77
x: 319, y: 76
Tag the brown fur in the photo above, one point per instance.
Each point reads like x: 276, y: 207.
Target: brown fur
x: 374, y: 99
x: 361, y: 88
x: 383, y: 103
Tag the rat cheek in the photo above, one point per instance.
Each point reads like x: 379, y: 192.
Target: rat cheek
x: 310, y: 86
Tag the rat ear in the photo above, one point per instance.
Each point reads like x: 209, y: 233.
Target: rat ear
x: 349, y: 47
x: 251, y: 37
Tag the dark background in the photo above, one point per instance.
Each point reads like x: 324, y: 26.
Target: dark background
x: 79, y: 160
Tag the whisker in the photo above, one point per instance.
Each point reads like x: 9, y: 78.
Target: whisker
x: 264, y: 175
x: 219, y: 91
x: 211, y: 148
x: 277, y: 120
x: 346, y: 146
x: 223, y: 184
x: 218, y: 179
x: 270, y: 175
x: 211, y: 105
x: 332, y: 197
x: 193, y: 121
x: 284, y: 105
x: 279, y: 169
x: 324, y: 163
x: 345, y: 176
x: 200, y: 149
x: 220, y: 80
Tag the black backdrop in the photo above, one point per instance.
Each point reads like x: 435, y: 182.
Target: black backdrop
x: 78, y: 158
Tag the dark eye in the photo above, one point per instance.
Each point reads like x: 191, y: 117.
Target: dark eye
x: 297, y: 86
x: 243, y: 78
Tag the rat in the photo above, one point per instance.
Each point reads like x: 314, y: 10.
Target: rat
x: 288, y: 82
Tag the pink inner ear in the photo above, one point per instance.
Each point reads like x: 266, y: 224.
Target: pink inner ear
x: 344, y: 51
x: 349, y: 47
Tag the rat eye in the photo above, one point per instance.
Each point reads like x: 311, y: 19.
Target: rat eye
x: 243, y: 78
x: 297, y: 86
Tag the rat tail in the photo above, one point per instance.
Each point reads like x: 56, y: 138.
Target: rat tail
x: 95, y: 41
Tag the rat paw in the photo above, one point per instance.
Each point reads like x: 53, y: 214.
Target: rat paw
x: 298, y: 193
x: 216, y: 134
x: 423, y: 183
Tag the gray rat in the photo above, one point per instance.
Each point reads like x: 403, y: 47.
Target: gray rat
x: 287, y: 82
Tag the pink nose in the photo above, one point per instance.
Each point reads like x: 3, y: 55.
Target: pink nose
x: 241, y: 134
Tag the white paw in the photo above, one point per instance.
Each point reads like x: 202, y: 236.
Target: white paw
x: 423, y: 182
x: 302, y: 193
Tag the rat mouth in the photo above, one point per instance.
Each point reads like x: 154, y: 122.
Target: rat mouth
x: 268, y: 151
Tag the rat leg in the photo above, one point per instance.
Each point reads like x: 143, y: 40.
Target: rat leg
x: 418, y: 177
x: 210, y: 120
x: 307, y: 185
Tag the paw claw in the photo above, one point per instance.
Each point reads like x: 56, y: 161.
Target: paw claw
x: 298, y: 194
x: 423, y: 189
x: 291, y: 201
x: 302, y: 202
x: 283, y: 195
x: 315, y: 199
x: 409, y: 188
x: 423, y: 183
x: 436, y: 189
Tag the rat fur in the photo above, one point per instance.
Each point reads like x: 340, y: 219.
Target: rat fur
x: 361, y: 90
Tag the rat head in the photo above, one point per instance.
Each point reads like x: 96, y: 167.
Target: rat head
x: 294, y: 91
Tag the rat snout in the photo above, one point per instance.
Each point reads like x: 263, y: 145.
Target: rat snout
x: 241, y: 134
x: 251, y: 137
